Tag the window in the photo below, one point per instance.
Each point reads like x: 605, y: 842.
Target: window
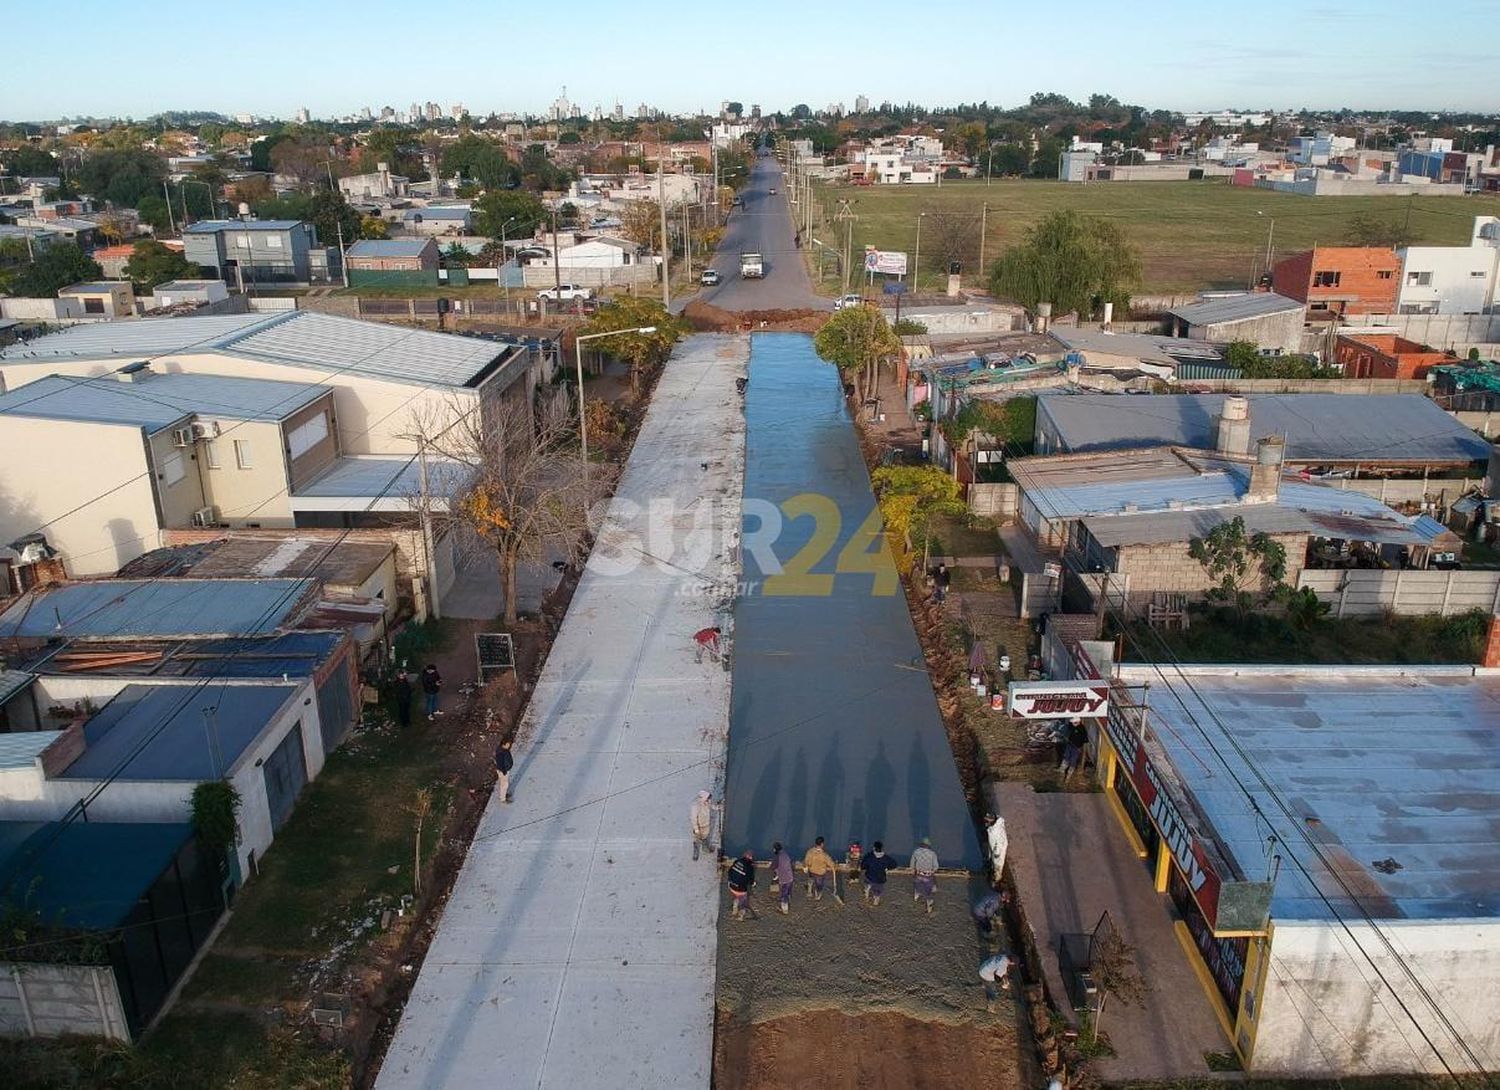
x: 273, y: 242
x: 1326, y: 279
x: 242, y: 456
x: 1384, y: 274
x: 173, y: 469
x: 93, y: 306
x: 211, y: 454
x: 242, y: 241
x: 307, y: 435
x: 1418, y: 279
x: 1479, y: 273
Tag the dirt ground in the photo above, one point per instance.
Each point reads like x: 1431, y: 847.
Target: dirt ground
x: 711, y: 319
x: 853, y: 995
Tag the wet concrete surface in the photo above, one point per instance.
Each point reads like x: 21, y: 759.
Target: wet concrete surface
x: 834, y: 727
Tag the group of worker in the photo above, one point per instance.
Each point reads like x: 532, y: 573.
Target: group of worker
x: 871, y: 871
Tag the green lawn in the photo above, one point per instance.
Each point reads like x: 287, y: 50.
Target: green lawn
x: 1192, y: 235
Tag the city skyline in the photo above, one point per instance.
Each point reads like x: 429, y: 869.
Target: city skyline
x: 1165, y: 59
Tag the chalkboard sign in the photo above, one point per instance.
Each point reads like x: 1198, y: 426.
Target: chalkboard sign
x: 495, y: 651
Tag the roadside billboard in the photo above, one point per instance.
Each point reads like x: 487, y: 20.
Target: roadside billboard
x: 1058, y: 699
x: 892, y: 262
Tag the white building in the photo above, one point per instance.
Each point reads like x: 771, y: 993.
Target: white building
x: 381, y: 185
x: 1452, y: 279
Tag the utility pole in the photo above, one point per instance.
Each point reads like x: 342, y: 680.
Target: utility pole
x: 556, y: 258
x: 429, y: 566
x: 661, y: 199
x: 171, y: 220
x: 984, y: 213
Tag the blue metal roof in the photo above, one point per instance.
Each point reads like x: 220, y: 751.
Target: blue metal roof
x: 1364, y: 428
x: 367, y: 478
x: 213, y: 227
x: 390, y: 247
x: 160, y: 731
x: 123, y: 608
x: 20, y: 749
x: 85, y: 874
x: 158, y: 401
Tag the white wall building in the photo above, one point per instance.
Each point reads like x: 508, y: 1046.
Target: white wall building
x: 1447, y: 279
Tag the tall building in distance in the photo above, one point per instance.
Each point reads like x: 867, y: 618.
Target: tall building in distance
x: 303, y: 116
x: 619, y: 111
x: 861, y: 104
x: 367, y: 113
x: 561, y: 107
x: 387, y: 113
x: 458, y: 109
x: 415, y: 113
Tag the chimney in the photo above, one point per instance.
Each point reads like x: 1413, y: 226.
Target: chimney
x: 244, y: 211
x: 1043, y: 317
x: 1265, y: 474
x: 1232, y: 431
x: 139, y: 371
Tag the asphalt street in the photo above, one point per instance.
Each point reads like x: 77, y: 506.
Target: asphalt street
x: 764, y: 226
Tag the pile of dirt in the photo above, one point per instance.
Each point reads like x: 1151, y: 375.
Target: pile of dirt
x: 836, y: 1050
x: 707, y: 318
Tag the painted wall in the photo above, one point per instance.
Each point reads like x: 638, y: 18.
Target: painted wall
x: 1460, y: 279
x: 254, y: 493
x: 179, y: 488
x: 52, y: 467
x: 1326, y: 1012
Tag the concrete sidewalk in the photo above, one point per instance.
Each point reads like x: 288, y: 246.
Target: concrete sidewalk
x: 577, y: 949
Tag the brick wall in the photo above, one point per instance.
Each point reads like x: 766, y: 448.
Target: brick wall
x: 1169, y: 567
x: 1385, y: 356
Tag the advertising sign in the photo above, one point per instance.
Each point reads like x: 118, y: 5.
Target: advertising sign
x: 886, y: 261
x: 1058, y: 699
x: 1192, y: 860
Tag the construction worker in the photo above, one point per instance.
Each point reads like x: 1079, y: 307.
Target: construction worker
x: 924, y: 868
x: 852, y: 859
x: 701, y: 822
x: 986, y: 912
x: 783, y: 875
x: 741, y: 882
x: 994, y: 974
x: 707, y: 639
x: 998, y: 841
x: 876, y: 867
x: 818, y: 865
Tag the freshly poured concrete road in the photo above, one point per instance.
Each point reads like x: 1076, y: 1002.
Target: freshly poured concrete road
x: 577, y: 949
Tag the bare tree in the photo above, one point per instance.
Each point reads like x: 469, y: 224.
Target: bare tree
x: 952, y: 236
x: 1113, y: 968
x: 639, y: 222
x: 519, y: 484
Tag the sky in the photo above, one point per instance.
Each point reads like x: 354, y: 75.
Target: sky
x: 334, y: 57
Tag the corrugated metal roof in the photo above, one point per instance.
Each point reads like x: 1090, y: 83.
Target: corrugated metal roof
x: 300, y: 338
x: 390, y: 247
x: 95, y: 287
x: 213, y: 227
x: 1235, y: 308
x: 437, y: 212
x: 158, y: 401
x: 366, y: 478
x: 12, y: 682
x: 91, y: 874
x: 20, y: 749
x: 103, y: 608
x: 1364, y: 428
x: 1391, y: 763
x: 158, y: 731
x: 1142, y: 346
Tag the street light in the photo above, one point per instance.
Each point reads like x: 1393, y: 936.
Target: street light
x: 583, y: 427
x: 916, y: 265
x: 1270, y: 234
x: 213, y: 209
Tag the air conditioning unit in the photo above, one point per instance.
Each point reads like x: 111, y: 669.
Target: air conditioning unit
x: 207, y: 430
x: 206, y: 516
x: 182, y: 437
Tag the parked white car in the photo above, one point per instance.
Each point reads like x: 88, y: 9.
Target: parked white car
x: 848, y: 301
x: 565, y: 293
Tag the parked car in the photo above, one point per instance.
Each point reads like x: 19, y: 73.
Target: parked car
x: 709, y: 278
x: 848, y: 301
x: 565, y: 293
x: 773, y: 191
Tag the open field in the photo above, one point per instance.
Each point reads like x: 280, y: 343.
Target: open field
x: 1192, y: 235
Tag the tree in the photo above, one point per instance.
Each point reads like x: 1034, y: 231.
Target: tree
x: 1246, y: 356
x: 1366, y: 230
x: 951, y: 235
x: 567, y: 214
x: 1241, y: 565
x: 641, y: 351
x: 326, y: 209
x: 151, y: 264
x: 802, y: 111
x: 456, y: 254
x: 121, y: 177
x: 1305, y: 610
x: 304, y: 160
x: 29, y: 161
x: 55, y: 268
x: 909, y: 496
x: 113, y: 227
x: 373, y: 227
x: 475, y: 158
x: 734, y: 109
x: 525, y: 490
x: 1073, y: 262
x: 1009, y: 159
x: 856, y: 340
x: 520, y: 213
x: 1112, y: 965
x: 539, y: 173
x: 640, y: 222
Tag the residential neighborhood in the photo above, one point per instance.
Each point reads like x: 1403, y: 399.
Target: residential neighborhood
x: 906, y: 578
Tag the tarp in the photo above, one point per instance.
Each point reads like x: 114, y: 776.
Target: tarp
x: 834, y: 727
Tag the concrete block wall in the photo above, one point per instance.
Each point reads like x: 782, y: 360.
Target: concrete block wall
x: 1366, y: 593
x: 998, y: 501
x: 52, y: 1000
x: 1169, y: 567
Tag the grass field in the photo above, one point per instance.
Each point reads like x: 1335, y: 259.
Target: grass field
x: 1192, y: 235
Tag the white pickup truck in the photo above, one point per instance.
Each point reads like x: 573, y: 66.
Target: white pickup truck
x: 752, y: 267
x: 566, y: 293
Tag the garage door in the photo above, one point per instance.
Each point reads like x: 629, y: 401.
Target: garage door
x: 286, y: 772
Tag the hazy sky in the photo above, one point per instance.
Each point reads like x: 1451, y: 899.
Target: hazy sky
x: 273, y: 56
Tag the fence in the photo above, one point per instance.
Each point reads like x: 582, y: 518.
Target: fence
x: 543, y: 276
x: 1038, y: 594
x: 39, y: 1000
x: 1456, y: 331
x: 1446, y: 489
x: 997, y: 501
x: 1310, y: 385
x: 1486, y: 424
x: 1362, y: 593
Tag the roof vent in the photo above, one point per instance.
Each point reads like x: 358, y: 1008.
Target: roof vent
x: 1130, y: 508
x: 139, y: 371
